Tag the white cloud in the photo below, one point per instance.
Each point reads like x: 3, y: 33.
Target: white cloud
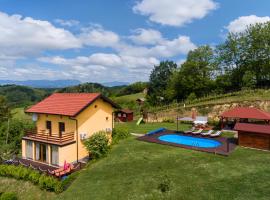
x: 68, y: 23
x: 241, y: 23
x: 174, y: 12
x: 165, y: 48
x: 21, y: 36
x: 146, y: 36
x: 97, y: 36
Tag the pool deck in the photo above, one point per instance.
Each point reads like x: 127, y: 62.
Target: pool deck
x: 226, y: 147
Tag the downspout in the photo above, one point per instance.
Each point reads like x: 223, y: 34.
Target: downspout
x: 77, y: 141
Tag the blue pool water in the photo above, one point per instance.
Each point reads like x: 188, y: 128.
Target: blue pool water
x: 190, y: 141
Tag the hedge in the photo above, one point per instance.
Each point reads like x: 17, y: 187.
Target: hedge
x: 22, y: 173
x: 8, y: 196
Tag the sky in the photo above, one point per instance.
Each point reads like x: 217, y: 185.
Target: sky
x: 112, y: 40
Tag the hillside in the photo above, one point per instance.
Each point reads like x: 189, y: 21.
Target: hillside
x: 213, y: 105
x: 19, y: 96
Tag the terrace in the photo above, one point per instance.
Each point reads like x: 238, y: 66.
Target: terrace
x: 43, y: 136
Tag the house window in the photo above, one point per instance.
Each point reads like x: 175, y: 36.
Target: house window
x: 61, y: 128
x: 54, y: 155
x: 124, y: 115
x: 29, y: 149
x: 49, y: 127
x: 119, y: 114
x: 107, y: 118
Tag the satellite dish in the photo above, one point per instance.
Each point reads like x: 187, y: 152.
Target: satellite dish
x: 35, y: 117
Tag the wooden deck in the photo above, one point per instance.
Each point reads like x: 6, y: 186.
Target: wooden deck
x: 226, y: 147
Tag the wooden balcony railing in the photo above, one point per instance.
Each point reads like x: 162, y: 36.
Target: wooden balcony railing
x: 42, y: 136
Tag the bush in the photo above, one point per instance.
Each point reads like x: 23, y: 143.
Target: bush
x: 8, y: 196
x: 165, y: 184
x: 97, y: 145
x: 119, y: 134
x: 21, y: 173
x: 50, y: 183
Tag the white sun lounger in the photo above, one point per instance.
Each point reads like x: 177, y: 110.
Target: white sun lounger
x: 207, y: 133
x: 190, y: 131
x: 216, y: 134
x: 197, y: 132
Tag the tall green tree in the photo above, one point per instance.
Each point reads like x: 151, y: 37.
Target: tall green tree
x: 196, y: 75
x: 5, y: 115
x: 247, y: 51
x: 158, y: 82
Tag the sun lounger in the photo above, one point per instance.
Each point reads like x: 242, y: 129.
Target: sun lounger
x: 207, y: 133
x: 197, y: 132
x: 189, y: 131
x: 216, y: 134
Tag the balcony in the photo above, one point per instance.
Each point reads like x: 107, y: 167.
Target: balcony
x: 45, y: 137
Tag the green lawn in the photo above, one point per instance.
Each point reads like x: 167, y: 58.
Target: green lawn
x: 144, y: 128
x: 130, y: 97
x: 135, y: 170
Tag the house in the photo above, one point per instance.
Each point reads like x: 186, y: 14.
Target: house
x: 124, y: 115
x: 63, y: 121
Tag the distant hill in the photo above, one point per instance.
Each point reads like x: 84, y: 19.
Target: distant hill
x: 86, y: 88
x: 115, y: 83
x: 42, y: 83
x: 21, y: 96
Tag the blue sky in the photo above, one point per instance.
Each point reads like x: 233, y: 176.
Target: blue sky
x: 112, y: 40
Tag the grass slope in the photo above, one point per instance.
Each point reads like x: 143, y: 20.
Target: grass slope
x: 130, y: 97
x: 135, y: 169
x: 144, y: 128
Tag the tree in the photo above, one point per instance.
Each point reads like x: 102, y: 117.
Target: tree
x: 196, y: 75
x: 247, y: 51
x: 158, y: 83
x: 5, y: 114
x: 248, y: 80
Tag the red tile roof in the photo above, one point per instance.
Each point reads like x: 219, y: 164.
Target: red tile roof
x: 246, y: 113
x: 68, y: 104
x: 254, y: 128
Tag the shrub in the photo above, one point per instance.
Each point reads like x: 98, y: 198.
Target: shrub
x: 97, y: 145
x: 119, y: 134
x: 165, y: 184
x: 8, y: 196
x: 19, y: 172
x: 48, y: 183
x: 34, y: 177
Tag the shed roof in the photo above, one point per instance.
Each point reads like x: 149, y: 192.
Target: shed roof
x: 127, y: 111
x: 68, y: 104
x: 246, y: 113
x: 254, y: 128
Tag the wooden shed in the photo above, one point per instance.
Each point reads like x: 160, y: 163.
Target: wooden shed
x: 124, y: 115
x: 253, y: 135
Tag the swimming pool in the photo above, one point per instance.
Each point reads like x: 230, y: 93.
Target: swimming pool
x: 190, y: 141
